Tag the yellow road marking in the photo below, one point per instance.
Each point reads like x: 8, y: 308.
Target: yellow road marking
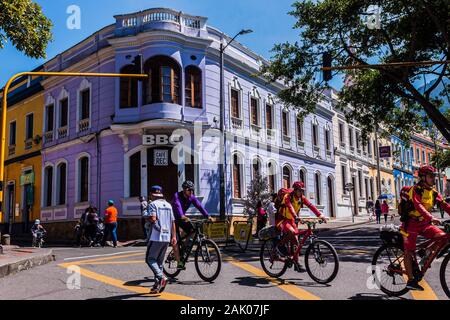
x: 427, y: 294
x: 291, y: 289
x: 107, y: 258
x: 111, y: 262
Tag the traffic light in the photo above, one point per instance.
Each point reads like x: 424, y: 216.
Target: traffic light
x: 326, y: 63
x: 137, y: 63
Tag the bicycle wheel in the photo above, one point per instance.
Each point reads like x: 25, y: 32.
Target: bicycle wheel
x: 388, y: 271
x: 271, y: 262
x: 445, y: 275
x: 208, y: 260
x: 321, y: 262
x: 170, y: 265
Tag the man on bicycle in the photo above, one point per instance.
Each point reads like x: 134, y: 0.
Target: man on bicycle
x: 288, y: 212
x: 181, y: 202
x: 423, y: 197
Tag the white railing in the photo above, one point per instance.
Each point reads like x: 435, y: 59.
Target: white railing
x: 286, y: 139
x: 236, y: 123
x: 48, y: 136
x: 83, y: 125
x: 256, y: 130
x: 271, y: 133
x: 62, y: 132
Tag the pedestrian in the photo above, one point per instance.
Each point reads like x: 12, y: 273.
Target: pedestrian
x: 378, y: 211
x: 110, y: 224
x: 369, y: 206
x: 385, y: 210
x: 162, y: 219
x: 261, y: 217
x: 271, y: 210
x: 144, y: 222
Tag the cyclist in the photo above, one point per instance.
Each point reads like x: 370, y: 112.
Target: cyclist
x: 420, y: 221
x: 288, y: 212
x: 181, y: 202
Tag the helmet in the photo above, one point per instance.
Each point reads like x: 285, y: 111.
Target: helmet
x: 37, y: 221
x: 188, y: 185
x: 111, y: 202
x: 423, y: 171
x: 298, y: 185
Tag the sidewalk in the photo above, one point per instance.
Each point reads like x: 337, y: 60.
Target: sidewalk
x: 15, y: 259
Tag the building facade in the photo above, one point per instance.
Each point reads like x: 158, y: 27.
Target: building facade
x: 107, y: 138
x: 403, y: 165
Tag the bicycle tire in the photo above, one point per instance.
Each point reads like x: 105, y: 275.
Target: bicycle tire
x: 168, y: 271
x: 335, y: 257
x: 374, y: 273
x: 261, y: 259
x: 197, y: 255
x: 444, y: 283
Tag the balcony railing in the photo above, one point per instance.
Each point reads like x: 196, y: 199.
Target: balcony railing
x: 62, y: 132
x: 236, y: 123
x: 301, y: 144
x: 12, y: 150
x: 83, y: 125
x: 271, y: 134
x: 48, y: 136
x: 256, y: 130
x: 28, y: 144
x: 286, y: 140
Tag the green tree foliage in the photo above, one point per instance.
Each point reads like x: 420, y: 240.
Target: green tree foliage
x: 24, y: 24
x: 411, y: 30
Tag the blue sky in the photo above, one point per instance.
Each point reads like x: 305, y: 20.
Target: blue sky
x: 268, y: 19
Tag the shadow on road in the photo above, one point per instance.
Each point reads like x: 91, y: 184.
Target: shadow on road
x: 374, y: 296
x: 128, y: 296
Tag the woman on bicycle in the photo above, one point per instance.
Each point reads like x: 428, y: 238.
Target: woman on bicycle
x: 420, y: 221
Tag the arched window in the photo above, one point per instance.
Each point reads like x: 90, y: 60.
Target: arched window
x: 271, y: 171
x: 135, y: 175
x: 61, y: 184
x: 287, y: 177
x: 163, y: 83
x: 83, y: 179
x: 256, y: 168
x: 318, y: 184
x: 237, y: 177
x: 303, y: 177
x: 193, y: 87
x: 48, y: 186
x: 128, y: 89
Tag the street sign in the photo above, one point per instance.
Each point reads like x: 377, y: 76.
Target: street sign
x: 161, y: 158
x: 385, y: 152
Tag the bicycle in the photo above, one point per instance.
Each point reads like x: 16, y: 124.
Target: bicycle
x: 275, y: 263
x: 38, y: 240
x: 207, y: 253
x: 388, y: 268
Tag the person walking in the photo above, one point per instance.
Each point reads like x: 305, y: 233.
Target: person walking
x: 271, y: 210
x: 161, y: 217
x: 110, y: 224
x: 144, y: 222
x: 369, y: 207
x: 261, y: 217
x: 378, y: 211
x: 385, y: 210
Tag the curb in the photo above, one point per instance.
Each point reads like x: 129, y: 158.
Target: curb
x: 26, y: 264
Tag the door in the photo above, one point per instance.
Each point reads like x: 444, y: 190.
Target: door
x: 162, y: 171
x: 27, y: 205
x: 355, y: 200
x: 9, y: 218
x: 331, y: 197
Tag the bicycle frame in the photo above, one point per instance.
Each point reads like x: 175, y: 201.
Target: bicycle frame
x: 307, y: 234
x: 197, y: 239
x: 443, y: 242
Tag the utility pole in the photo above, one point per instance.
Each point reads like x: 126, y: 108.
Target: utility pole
x: 377, y: 148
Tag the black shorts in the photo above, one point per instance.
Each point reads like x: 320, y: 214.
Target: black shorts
x: 186, y: 226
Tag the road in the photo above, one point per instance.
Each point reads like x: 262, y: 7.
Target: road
x: 121, y: 273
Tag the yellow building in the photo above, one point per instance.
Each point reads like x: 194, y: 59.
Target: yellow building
x: 22, y: 183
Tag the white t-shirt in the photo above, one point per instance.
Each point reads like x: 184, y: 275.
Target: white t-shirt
x: 271, y: 211
x: 162, y: 228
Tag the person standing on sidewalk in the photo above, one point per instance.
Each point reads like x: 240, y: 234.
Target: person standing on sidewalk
x: 163, y: 232
x: 378, y: 211
x: 271, y: 210
x: 385, y: 210
x: 110, y: 224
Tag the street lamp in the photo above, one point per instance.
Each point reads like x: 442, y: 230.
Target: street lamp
x: 222, y: 164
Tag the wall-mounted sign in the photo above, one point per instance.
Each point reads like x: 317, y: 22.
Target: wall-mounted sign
x: 385, y: 151
x: 27, y: 179
x: 161, y: 158
x: 161, y: 139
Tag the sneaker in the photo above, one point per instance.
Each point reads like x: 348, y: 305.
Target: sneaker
x: 414, y: 285
x: 181, y: 266
x: 162, y: 284
x: 298, y: 268
x: 155, y: 288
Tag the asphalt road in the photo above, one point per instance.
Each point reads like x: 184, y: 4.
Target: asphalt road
x: 121, y: 273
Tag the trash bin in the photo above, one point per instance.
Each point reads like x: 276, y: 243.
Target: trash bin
x: 6, y: 240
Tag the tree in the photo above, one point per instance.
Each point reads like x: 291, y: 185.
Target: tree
x: 24, y: 24
x: 257, y: 191
x: 387, y: 97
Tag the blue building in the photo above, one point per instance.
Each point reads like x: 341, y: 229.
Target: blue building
x: 403, y: 165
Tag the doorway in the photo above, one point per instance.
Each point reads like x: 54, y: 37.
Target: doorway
x: 162, y: 171
x: 355, y: 200
x: 331, y: 198
x: 10, y: 206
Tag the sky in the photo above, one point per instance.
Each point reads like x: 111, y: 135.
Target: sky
x: 268, y: 19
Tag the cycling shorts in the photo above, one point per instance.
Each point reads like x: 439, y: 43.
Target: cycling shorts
x: 422, y: 228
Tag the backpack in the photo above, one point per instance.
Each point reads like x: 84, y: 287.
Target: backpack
x: 405, y: 206
x: 279, y: 200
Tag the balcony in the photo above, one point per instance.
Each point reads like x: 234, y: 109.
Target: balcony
x: 28, y: 144
x: 62, y: 132
x: 301, y: 144
x: 83, y: 125
x: 236, y: 123
x: 48, y: 136
x: 271, y: 134
x: 256, y: 131
x: 286, y: 141
x: 11, y: 150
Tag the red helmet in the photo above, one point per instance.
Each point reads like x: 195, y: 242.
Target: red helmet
x: 423, y: 171
x: 298, y: 185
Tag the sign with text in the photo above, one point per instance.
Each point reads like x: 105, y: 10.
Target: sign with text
x: 161, y: 139
x: 385, y: 151
x: 217, y: 231
x: 161, y: 158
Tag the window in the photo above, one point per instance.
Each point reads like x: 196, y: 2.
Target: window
x: 29, y: 122
x: 341, y: 133
x: 128, y: 89
x: 163, y: 83
x: 327, y: 140
x: 423, y: 158
x: 315, y: 135
x: 63, y: 112
x: 344, y: 178
x: 287, y: 181
x: 350, y: 137
x: 256, y: 168
x: 83, y: 176
x: 375, y: 149
x: 269, y: 122
x: 48, y: 186
x: 237, y: 192
x: 85, y: 97
x: 235, y: 110
x: 360, y: 184
x: 429, y: 157
x: 369, y: 147
x: 358, y: 144
x: 12, y: 133
x: 193, y: 87
x: 411, y: 151
x: 285, y: 123
x: 318, y: 189
x: 135, y: 175
x: 299, y: 129
x: 61, y: 182
x: 418, y: 155
x: 366, y: 184
x: 49, y: 117
x: 304, y: 177
x: 254, y: 112
x: 271, y: 179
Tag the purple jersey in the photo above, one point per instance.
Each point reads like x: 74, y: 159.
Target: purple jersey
x: 181, y: 204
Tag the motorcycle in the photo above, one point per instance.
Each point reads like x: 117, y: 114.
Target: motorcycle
x: 90, y: 234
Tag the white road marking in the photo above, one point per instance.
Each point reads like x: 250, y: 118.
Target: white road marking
x: 103, y: 255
